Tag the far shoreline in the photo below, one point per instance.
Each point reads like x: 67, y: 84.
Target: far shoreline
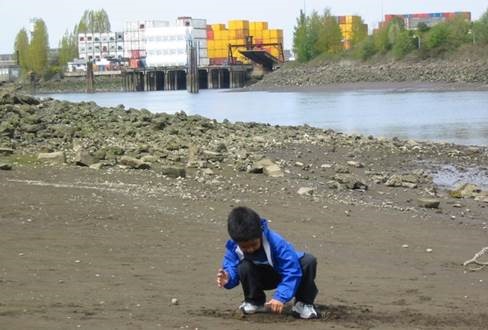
x: 390, y: 86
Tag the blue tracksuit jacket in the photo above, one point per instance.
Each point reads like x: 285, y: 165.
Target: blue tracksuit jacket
x: 281, y: 256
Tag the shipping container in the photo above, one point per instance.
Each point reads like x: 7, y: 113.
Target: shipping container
x: 238, y: 25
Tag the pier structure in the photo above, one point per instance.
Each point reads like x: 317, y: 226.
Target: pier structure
x: 178, y: 78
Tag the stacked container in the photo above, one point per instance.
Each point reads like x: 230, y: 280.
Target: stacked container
x: 219, y: 39
x: 168, y: 46
x: 430, y: 19
x: 96, y: 46
x: 351, y: 25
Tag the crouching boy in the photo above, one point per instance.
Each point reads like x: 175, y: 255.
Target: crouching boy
x: 260, y: 259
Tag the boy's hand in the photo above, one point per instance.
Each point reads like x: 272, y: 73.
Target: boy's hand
x: 276, y: 306
x: 222, y: 278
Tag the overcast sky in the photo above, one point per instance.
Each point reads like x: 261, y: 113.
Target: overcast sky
x: 62, y: 15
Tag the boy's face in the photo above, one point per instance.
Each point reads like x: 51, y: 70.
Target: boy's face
x: 251, y: 246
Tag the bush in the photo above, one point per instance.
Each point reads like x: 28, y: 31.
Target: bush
x: 404, y: 44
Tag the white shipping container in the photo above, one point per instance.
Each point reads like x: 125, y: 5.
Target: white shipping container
x: 199, y: 33
x: 199, y: 23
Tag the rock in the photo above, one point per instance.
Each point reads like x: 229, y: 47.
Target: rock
x: 269, y: 168
x: 428, y: 203
x: 5, y: 167
x: 208, y: 172
x: 273, y: 171
x: 174, y: 172
x: 96, y: 166
x: 6, y: 151
x: 325, y: 166
x: 342, y: 169
x: 350, y: 181
x: 306, y: 191
x: 57, y: 157
x: 466, y: 190
x: 149, y: 159
x: 212, y: 155
x: 355, y: 164
x: 134, y: 163
x: 174, y: 301
x: 84, y: 158
x: 394, y: 181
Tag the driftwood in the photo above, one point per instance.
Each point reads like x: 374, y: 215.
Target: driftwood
x: 472, y: 264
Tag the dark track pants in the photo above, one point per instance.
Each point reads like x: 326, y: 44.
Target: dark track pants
x: 257, y: 278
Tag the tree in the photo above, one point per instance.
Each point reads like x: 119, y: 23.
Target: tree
x: 359, y: 31
x: 480, y: 29
x: 68, y: 48
x: 94, y: 21
x: 404, y: 44
x: 300, y: 39
x: 329, y: 35
x: 22, y: 50
x: 39, y: 47
x: 314, y: 27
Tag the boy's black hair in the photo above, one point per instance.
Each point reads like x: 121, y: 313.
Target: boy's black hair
x: 244, y: 224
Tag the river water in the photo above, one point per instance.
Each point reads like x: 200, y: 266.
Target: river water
x: 457, y: 117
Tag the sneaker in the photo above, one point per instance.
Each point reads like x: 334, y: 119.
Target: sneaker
x: 305, y: 311
x: 250, y: 308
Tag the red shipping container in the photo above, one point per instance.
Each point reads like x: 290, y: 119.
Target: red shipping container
x: 342, y: 19
x: 134, y: 63
x: 135, y: 54
x: 210, y: 35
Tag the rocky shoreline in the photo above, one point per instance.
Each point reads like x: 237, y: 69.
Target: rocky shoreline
x: 85, y: 134
x: 471, y: 74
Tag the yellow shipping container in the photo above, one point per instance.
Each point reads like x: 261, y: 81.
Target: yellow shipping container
x: 238, y: 25
x: 221, y: 35
x: 273, y: 41
x: 276, y: 33
x: 238, y: 34
x: 346, y: 27
x: 257, y: 34
x: 258, y: 25
x: 217, y: 27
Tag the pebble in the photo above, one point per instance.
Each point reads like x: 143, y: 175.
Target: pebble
x: 428, y: 250
x: 175, y: 301
x: 405, y: 246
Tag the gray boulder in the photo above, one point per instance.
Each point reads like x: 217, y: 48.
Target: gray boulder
x: 134, y: 163
x: 57, y: 157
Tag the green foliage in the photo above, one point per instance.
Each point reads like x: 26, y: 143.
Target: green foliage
x: 94, y: 21
x: 21, y: 49
x: 381, y: 40
x: 316, y: 35
x: 68, y: 48
x: 314, y: 26
x: 367, y: 49
x: 359, y: 32
x: 330, y: 36
x: 39, y: 48
x: 422, y: 27
x: 302, y: 53
x: 480, y: 30
x: 404, y: 44
x: 395, y: 28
